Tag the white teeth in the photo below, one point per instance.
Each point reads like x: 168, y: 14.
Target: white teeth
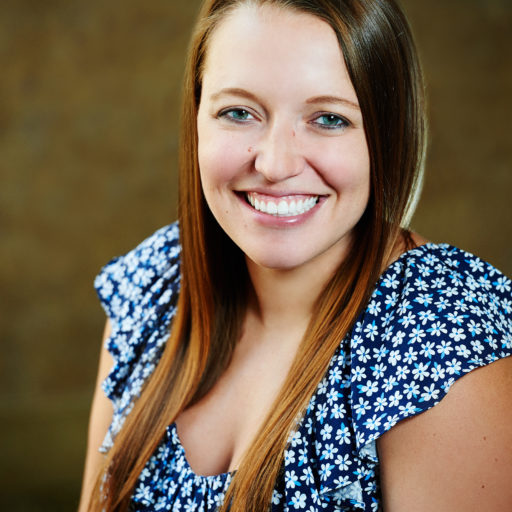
x: 283, y: 208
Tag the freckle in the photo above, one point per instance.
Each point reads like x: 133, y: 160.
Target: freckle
x: 483, y: 486
x: 485, y: 438
x: 495, y: 459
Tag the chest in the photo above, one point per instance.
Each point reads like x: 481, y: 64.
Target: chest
x: 216, y: 431
x: 321, y: 469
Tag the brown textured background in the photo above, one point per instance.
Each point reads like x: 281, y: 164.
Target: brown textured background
x: 89, y: 94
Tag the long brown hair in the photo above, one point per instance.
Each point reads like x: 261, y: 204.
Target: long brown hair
x: 382, y: 63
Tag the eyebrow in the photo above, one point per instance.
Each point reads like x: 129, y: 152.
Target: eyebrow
x: 333, y: 99
x: 237, y: 91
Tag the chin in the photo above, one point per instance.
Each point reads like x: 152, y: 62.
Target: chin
x: 277, y: 261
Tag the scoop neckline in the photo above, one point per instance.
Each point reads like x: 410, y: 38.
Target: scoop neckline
x: 176, y: 442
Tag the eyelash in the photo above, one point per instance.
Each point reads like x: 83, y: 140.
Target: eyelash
x: 341, y: 122
x: 228, y: 113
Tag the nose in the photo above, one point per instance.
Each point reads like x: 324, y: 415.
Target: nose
x: 278, y: 155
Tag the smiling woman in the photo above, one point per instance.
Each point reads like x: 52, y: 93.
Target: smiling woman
x: 298, y: 112
x: 276, y: 349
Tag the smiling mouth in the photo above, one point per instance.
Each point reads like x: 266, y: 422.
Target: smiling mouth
x: 286, y: 206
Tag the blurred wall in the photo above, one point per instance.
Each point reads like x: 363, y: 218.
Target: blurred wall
x: 89, y: 95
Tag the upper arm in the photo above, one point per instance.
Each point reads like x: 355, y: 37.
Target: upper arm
x: 458, y: 454
x: 99, y: 421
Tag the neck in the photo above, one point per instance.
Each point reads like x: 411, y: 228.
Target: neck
x: 284, y: 299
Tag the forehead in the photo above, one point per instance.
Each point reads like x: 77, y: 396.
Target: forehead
x: 262, y: 45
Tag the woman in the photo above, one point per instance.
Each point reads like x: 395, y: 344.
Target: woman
x: 308, y: 328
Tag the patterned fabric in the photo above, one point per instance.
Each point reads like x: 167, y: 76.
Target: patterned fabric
x: 436, y: 314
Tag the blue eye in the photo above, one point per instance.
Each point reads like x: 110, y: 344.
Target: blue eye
x: 330, y: 121
x: 238, y: 115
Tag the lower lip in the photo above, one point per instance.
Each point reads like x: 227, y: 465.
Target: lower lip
x: 278, y: 222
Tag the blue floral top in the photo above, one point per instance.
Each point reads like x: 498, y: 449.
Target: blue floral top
x: 435, y: 314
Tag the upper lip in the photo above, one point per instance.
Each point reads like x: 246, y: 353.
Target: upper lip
x: 278, y: 193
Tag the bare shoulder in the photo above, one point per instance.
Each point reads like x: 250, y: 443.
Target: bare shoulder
x: 457, y: 455
x: 418, y: 239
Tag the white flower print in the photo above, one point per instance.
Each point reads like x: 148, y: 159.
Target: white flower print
x: 374, y: 422
x: 325, y: 471
x: 424, y: 270
x: 276, y: 497
x: 421, y: 285
x: 291, y: 479
x: 410, y: 356
x: 484, y: 282
x: 329, y: 452
x: 307, y: 476
x: 394, y: 357
x: 476, y: 264
x: 506, y: 304
x: 321, y: 412
x: 424, y: 299
x: 378, y: 370
x: 374, y: 308
x: 289, y: 457
x: 429, y: 393
x: 191, y: 505
x: 363, y: 354
x: 326, y: 432
x: 299, y: 500
x: 457, y: 334
x: 408, y: 319
x: 371, y: 331
x: 402, y: 372
x: 411, y: 389
x: 407, y: 409
x: 369, y: 388
x: 338, y: 411
x: 427, y: 317
x: 391, y: 422
x: 428, y: 349
x: 389, y: 383
x: 391, y: 299
x: 398, y: 338
x: 395, y: 399
x: 453, y: 367
x: 417, y: 335
x: 442, y: 304
x: 380, y: 353
x: 390, y: 281
x: 343, y: 433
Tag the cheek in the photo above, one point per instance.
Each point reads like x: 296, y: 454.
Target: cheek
x: 221, y: 159
x: 347, y: 169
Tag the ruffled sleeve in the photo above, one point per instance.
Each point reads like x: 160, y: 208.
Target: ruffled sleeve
x: 436, y: 314
x: 138, y: 292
